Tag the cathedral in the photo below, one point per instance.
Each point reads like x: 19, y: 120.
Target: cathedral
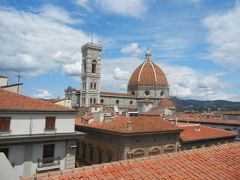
x: 148, y: 88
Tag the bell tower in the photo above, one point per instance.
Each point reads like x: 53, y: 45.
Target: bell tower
x: 91, y: 74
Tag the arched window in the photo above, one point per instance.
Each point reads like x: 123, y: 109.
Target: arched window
x: 91, y: 85
x: 168, y: 149
x: 94, y: 100
x: 90, y: 100
x: 117, y: 101
x: 137, y: 153
x: 131, y: 102
x: 95, y: 86
x: 84, y: 66
x: 94, y: 66
x: 162, y: 93
x: 154, y: 151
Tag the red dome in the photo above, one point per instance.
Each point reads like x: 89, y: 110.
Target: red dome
x: 148, y: 74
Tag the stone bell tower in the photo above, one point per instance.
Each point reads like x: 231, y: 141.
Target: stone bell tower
x: 91, y: 74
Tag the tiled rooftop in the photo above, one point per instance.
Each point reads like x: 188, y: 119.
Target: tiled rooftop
x: 232, y: 113
x: 14, y: 101
x: 216, y: 162
x: 196, y: 119
x: 141, y: 124
x: 198, y: 132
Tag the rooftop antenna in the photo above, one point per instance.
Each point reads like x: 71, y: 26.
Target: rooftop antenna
x: 91, y: 38
x: 19, y: 77
x: 18, y: 89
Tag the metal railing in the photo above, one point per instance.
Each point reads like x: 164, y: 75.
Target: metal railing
x: 47, y: 162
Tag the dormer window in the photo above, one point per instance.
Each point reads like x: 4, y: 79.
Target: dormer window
x: 94, y: 66
x: 50, y: 123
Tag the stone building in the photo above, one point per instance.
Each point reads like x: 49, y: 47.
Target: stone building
x: 147, y: 81
x: 123, y: 137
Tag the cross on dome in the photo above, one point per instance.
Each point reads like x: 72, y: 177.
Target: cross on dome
x: 148, y: 55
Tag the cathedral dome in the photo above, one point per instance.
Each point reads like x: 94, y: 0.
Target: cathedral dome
x: 148, y: 74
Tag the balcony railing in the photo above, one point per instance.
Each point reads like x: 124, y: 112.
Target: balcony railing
x: 48, y: 162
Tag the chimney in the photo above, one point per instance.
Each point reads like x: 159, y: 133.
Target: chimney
x: 129, y: 125
x: 3, y: 80
x: 176, y: 121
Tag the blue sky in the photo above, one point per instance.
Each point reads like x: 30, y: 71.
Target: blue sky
x: 195, y: 42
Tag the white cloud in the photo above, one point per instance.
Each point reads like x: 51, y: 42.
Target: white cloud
x: 43, y: 94
x: 173, y: 43
x: 132, y: 49
x: 72, y: 69
x: 34, y: 44
x: 83, y: 3
x: 134, y: 8
x: 224, y: 37
x: 119, y: 74
x: 189, y: 84
x: 57, y: 14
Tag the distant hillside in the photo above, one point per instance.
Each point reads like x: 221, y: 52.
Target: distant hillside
x: 196, y: 105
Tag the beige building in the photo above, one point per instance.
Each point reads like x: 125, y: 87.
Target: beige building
x: 16, y: 88
x: 123, y: 137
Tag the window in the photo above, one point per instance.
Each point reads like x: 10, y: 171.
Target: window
x: 95, y: 86
x: 162, y: 93
x: 138, y: 153
x: 85, y: 67
x: 91, y: 153
x: 154, y: 151
x: 94, y: 100
x: 109, y: 158
x: 133, y: 93
x: 90, y: 100
x: 99, y: 156
x: 168, y: 149
x: 227, y: 129
x: 50, y: 123
x: 117, y: 101
x: 48, y: 153
x: 131, y: 102
x: 91, y: 86
x: 147, y: 93
x: 94, y: 65
x: 4, y: 123
x: 84, y: 147
x: 109, y: 155
x: 5, y: 151
x: 102, y: 101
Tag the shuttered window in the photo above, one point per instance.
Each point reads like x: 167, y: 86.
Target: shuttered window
x: 50, y: 123
x: 4, y: 123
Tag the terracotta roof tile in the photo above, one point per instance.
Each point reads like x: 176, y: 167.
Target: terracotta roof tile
x: 216, y: 162
x: 195, y: 118
x: 197, y: 132
x: 148, y: 73
x: 141, y: 124
x: 14, y: 101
